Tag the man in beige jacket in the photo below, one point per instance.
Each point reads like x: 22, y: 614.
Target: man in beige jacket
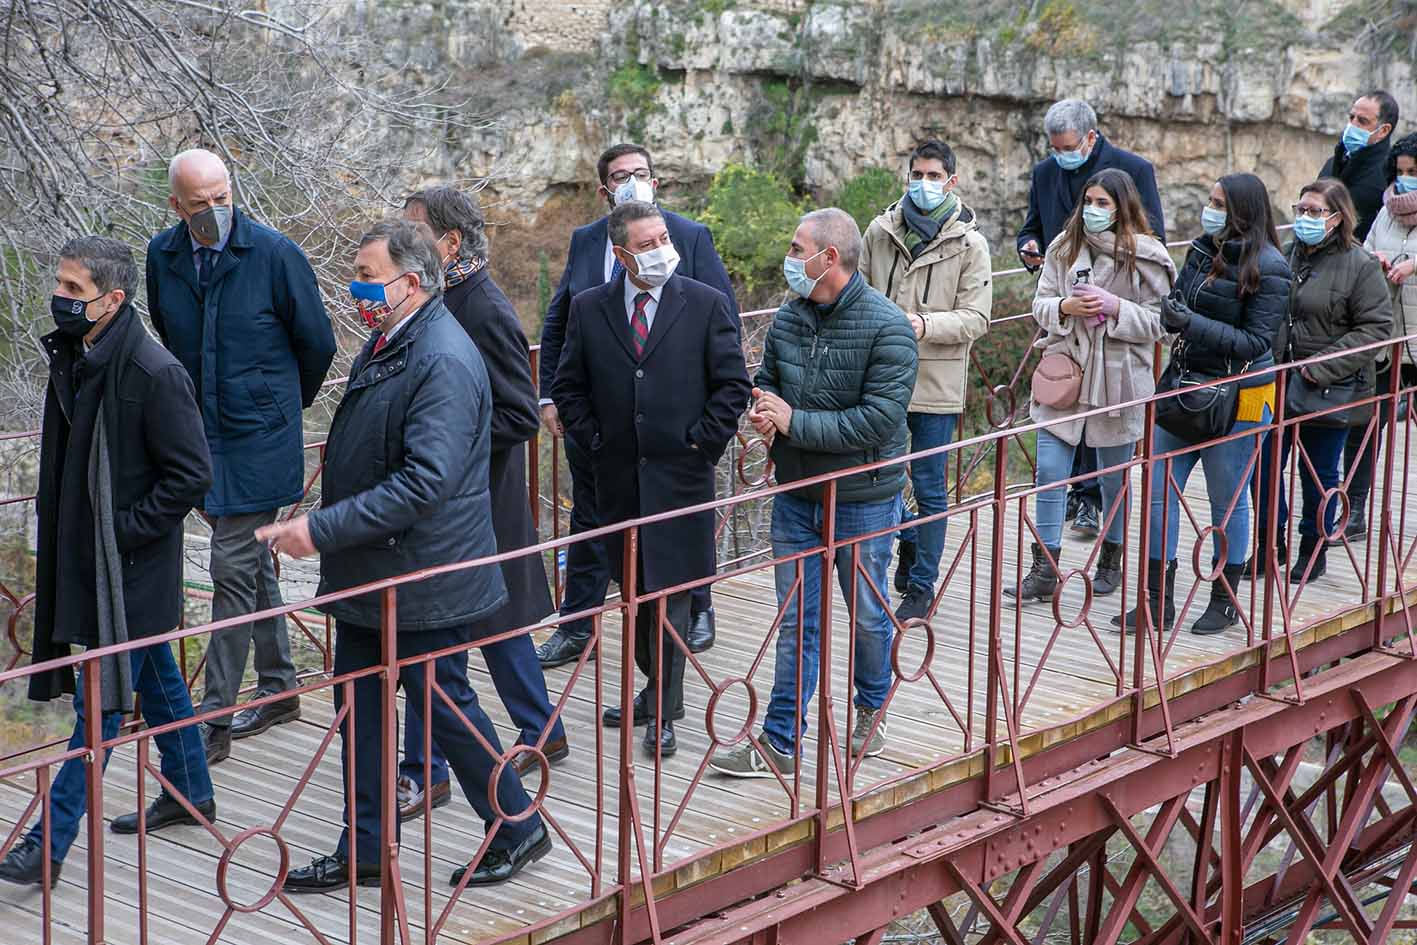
x: 926, y: 254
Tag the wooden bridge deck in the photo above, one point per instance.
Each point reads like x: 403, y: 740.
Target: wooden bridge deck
x: 263, y: 772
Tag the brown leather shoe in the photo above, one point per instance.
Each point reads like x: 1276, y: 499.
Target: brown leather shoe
x: 555, y: 751
x: 410, y: 797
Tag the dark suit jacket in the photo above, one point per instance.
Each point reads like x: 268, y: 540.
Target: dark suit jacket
x: 1364, y: 173
x: 655, y: 425
x: 1054, y: 192
x: 487, y: 316
x: 585, y: 269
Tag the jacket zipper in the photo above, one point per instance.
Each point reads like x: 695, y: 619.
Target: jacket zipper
x: 929, y: 278
x: 890, y: 281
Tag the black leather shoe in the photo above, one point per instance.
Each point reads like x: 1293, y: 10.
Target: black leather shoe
x: 164, y: 811
x: 560, y: 649
x: 701, y: 631
x: 498, y: 866
x: 610, y: 718
x: 257, y: 719
x: 216, y: 739
x: 556, y: 751
x: 668, y: 744
x: 25, y: 865
x: 327, y: 873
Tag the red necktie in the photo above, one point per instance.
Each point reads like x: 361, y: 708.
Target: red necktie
x: 639, y: 324
x: 379, y: 345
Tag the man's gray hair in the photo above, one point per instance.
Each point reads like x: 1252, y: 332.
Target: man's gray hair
x: 412, y: 249
x: 1071, y: 114
x: 109, y: 262
x: 626, y: 213
x: 832, y: 227
x: 448, y: 209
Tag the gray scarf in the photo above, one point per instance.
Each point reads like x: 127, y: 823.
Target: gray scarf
x: 115, y: 671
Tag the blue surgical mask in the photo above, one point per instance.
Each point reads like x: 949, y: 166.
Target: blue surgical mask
x: 795, y: 271
x: 1213, y: 220
x: 926, y: 194
x: 1406, y: 184
x: 1311, y: 232
x: 1355, y: 138
x: 1098, y: 220
x: 1070, y: 160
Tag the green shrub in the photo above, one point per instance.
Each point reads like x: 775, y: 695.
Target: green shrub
x: 752, y: 215
x: 868, y: 193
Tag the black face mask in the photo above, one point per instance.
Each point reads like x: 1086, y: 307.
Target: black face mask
x: 69, y: 315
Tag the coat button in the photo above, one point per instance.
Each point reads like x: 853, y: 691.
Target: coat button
x: 392, y: 542
x: 639, y: 418
x: 643, y: 461
x: 639, y: 372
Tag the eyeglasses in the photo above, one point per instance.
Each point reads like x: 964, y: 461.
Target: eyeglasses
x: 1313, y: 213
x: 642, y: 174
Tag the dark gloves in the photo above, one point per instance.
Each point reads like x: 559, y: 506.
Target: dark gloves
x: 1175, y: 314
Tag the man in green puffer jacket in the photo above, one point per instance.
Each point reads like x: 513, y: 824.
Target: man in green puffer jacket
x: 832, y: 393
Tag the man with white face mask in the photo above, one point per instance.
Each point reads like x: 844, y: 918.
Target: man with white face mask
x: 651, y: 382
x: 626, y: 173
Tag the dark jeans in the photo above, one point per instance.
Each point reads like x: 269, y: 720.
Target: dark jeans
x: 521, y: 687
x: 1362, y: 482
x: 650, y: 638
x: 1324, y: 446
x: 164, y: 698
x: 1085, y: 463
x: 587, y: 575
x: 358, y: 648
x: 930, y: 483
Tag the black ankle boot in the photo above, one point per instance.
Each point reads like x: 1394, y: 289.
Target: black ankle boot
x: 1221, y: 614
x: 1154, y: 583
x: 1041, y: 580
x: 1109, y: 570
x: 1309, y: 547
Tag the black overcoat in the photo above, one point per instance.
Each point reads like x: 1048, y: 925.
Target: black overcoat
x: 655, y: 425
x: 489, y: 319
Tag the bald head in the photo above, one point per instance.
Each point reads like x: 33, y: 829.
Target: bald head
x: 198, y: 180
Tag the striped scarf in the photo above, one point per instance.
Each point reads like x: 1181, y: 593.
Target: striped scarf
x: 921, y: 228
x: 459, y: 270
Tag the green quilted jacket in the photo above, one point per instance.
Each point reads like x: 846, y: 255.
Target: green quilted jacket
x: 847, y: 370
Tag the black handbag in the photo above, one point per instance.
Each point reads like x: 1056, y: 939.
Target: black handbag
x: 1303, y: 397
x: 1197, y: 413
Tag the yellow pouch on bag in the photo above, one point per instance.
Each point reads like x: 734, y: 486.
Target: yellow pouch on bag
x: 1251, y: 402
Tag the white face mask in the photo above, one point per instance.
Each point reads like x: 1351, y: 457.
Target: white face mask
x: 657, y: 265
x: 634, y: 189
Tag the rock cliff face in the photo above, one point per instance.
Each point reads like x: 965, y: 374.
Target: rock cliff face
x: 825, y: 90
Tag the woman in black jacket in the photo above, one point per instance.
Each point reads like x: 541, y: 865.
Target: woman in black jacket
x: 1339, y: 301
x: 1231, y: 293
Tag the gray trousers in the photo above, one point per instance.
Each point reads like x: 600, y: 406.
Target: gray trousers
x: 244, y: 581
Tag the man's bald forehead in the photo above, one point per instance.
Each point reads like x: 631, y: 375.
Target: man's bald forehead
x: 196, y: 166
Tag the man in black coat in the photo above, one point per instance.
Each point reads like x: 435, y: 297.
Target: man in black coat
x: 651, y: 384
x: 626, y: 173
x: 1359, y: 158
x: 405, y: 488
x: 122, y: 461
x: 487, y: 316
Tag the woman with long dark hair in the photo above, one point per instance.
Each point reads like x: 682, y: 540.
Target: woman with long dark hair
x: 1338, y: 301
x: 1230, y: 295
x: 1099, y: 304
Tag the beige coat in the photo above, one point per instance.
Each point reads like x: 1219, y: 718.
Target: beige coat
x: 950, y: 286
x: 1392, y: 239
x: 1116, y: 356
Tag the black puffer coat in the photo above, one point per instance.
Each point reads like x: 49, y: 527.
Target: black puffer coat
x: 1229, y: 333
x: 1340, y: 301
x: 847, y: 370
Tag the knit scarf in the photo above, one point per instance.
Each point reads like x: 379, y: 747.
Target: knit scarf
x: 921, y: 228
x: 116, y: 671
x: 1401, y: 207
x: 459, y: 270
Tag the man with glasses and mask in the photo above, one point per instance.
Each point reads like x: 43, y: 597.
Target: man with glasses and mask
x: 652, y: 381
x: 238, y: 304
x: 1078, y: 150
x: 626, y: 172
x: 1359, y: 158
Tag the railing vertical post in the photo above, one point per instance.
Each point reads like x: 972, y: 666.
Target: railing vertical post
x: 93, y: 735
x: 1232, y: 815
x: 629, y: 602
x: 824, y: 681
x: 389, y: 902
x: 1273, y: 567
x: 996, y: 606
x: 1384, y: 519
x: 1142, y: 624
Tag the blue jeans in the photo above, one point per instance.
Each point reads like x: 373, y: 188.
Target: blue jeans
x: 158, y: 682
x: 1227, y: 472
x: 796, y: 527
x: 928, y: 479
x: 1055, y: 463
x: 1324, y: 446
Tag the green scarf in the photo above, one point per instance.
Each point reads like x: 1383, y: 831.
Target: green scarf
x: 921, y: 228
